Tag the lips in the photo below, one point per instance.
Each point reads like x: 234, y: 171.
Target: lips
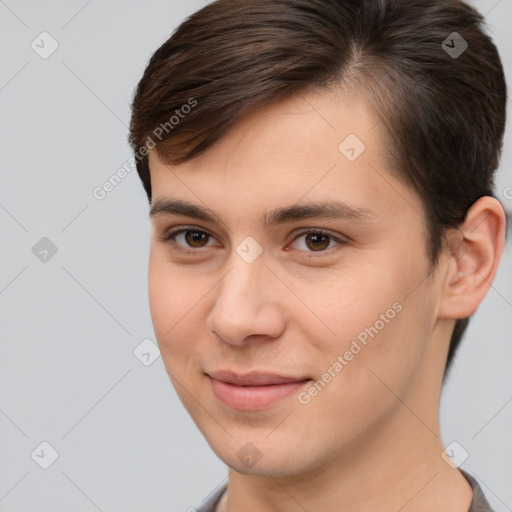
x: 253, y: 378
x: 253, y: 391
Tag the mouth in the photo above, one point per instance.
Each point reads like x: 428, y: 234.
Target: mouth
x: 255, y: 390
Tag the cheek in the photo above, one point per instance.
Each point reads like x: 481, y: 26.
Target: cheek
x: 383, y: 351
x: 366, y: 366
x: 349, y: 304
x: 172, y: 301
x: 375, y: 314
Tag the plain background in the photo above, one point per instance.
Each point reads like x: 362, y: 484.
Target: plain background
x: 70, y: 324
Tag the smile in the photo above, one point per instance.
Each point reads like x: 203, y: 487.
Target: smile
x: 256, y: 393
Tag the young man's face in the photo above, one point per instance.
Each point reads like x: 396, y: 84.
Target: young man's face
x: 352, y: 310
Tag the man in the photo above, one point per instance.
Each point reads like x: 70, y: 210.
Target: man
x: 320, y: 178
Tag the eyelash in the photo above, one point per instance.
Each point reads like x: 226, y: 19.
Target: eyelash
x: 170, y: 237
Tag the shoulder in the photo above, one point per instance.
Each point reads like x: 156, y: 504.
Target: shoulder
x: 479, y: 503
x: 211, y: 502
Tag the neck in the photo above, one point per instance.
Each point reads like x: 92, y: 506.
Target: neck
x: 406, y: 473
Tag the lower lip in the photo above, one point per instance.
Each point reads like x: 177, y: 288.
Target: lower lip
x: 253, y: 398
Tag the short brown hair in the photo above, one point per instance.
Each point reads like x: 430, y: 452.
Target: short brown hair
x: 443, y: 111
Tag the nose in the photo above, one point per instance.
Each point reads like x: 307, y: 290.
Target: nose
x: 247, y: 304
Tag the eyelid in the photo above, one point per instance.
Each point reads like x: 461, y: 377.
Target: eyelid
x: 169, y: 237
x: 170, y: 234
x: 340, y: 240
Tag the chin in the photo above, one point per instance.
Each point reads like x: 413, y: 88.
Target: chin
x: 264, y: 456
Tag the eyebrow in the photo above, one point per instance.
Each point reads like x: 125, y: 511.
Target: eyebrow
x: 303, y: 211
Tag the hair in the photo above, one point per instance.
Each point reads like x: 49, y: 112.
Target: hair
x: 443, y: 112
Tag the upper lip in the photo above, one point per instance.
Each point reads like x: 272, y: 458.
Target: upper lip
x: 254, y: 378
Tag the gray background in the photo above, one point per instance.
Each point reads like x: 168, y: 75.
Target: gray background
x: 70, y: 323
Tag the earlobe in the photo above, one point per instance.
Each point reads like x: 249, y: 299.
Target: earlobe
x: 475, y: 250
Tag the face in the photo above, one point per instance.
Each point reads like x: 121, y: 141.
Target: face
x: 286, y: 314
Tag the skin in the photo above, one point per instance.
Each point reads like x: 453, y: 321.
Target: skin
x: 370, y: 439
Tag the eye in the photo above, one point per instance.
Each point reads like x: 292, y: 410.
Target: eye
x: 188, y: 238
x: 317, y: 240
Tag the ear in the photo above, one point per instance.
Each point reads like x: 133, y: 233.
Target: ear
x: 474, y: 251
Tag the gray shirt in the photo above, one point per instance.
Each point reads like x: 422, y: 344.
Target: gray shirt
x: 479, y: 503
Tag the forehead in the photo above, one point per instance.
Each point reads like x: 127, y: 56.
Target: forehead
x: 310, y: 147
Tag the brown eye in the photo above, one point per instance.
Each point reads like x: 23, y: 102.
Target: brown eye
x: 188, y: 239
x: 196, y: 238
x: 317, y: 241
